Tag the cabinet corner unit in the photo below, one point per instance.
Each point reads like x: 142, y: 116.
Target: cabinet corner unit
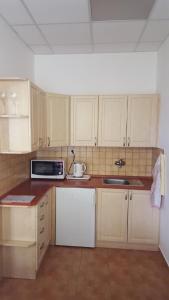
x: 20, y: 101
x: 25, y: 236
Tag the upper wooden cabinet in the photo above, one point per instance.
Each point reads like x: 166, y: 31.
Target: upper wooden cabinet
x: 142, y: 124
x: 84, y: 119
x: 42, y: 119
x: 19, y: 116
x: 57, y: 120
x: 112, y: 120
x: 128, y: 121
x: 34, y: 118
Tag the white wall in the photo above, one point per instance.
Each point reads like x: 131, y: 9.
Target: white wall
x: 163, y: 88
x: 97, y: 73
x: 15, y: 59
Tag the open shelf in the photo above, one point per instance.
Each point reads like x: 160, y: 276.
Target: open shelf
x: 23, y: 244
x: 14, y: 116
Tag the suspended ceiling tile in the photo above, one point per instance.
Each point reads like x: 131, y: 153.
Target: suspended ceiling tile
x: 72, y: 49
x: 119, y: 47
x: 65, y: 34
x: 58, y: 11
x: 116, y: 32
x: 120, y: 9
x: 153, y: 46
x: 160, y: 10
x: 41, y: 49
x: 156, y: 31
x: 14, y: 12
x: 29, y: 34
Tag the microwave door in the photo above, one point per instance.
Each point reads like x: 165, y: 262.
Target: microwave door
x: 43, y: 168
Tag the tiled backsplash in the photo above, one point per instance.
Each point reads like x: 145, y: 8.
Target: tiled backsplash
x: 14, y: 169
x: 100, y: 160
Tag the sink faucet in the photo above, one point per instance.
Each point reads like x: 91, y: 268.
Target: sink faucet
x: 120, y: 163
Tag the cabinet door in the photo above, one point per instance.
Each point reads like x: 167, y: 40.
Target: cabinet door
x: 42, y: 119
x: 34, y: 118
x: 112, y: 120
x: 142, y: 128
x: 143, y: 221
x: 57, y: 120
x: 112, y: 215
x: 84, y: 114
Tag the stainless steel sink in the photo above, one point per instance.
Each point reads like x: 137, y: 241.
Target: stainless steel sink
x: 121, y: 181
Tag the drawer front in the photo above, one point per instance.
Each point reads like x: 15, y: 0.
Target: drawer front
x: 42, y: 246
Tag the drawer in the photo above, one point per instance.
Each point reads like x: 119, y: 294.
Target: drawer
x: 41, y: 250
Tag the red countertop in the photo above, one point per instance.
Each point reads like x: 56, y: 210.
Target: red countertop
x: 39, y: 187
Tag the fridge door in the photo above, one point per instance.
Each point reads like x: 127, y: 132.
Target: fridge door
x: 75, y: 217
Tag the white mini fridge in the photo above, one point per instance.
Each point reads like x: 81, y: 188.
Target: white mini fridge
x: 75, y: 217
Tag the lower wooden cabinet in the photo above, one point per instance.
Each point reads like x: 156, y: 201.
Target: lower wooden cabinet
x: 112, y: 215
x: 25, y: 236
x: 125, y: 218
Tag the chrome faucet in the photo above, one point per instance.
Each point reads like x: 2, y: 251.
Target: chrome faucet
x: 120, y: 163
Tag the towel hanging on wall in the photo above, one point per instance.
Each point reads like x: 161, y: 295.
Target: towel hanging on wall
x: 158, y: 185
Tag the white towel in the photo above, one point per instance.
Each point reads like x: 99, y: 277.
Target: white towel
x: 158, y: 186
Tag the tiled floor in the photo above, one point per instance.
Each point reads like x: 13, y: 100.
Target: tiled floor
x: 93, y: 274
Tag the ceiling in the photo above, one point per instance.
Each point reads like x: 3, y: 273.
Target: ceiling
x: 88, y: 26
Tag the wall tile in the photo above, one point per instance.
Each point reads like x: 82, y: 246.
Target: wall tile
x: 14, y: 169
x: 100, y: 160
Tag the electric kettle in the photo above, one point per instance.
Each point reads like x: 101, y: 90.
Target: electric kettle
x: 79, y: 169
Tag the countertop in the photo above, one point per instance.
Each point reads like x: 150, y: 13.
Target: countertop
x: 40, y: 187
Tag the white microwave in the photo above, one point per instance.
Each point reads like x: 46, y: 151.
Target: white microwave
x: 47, y: 169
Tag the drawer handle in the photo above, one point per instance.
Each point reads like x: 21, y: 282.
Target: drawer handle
x: 42, y: 230
x: 42, y: 217
x: 42, y: 246
x: 42, y: 205
x: 128, y: 141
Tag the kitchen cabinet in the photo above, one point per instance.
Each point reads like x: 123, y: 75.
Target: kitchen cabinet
x: 42, y: 119
x: 128, y: 121
x: 18, y: 116
x: 142, y: 123
x: 112, y: 215
x: 143, y: 219
x: 57, y: 120
x: 26, y: 232
x: 125, y: 218
x: 112, y: 120
x: 84, y: 120
x: 34, y: 118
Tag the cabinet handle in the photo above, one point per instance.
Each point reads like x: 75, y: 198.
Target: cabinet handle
x: 126, y: 197
x: 95, y: 143
x: 48, y: 141
x: 42, y: 217
x: 131, y: 196
x: 128, y: 141
x: 42, y: 246
x: 124, y: 142
x: 42, y: 205
x: 42, y: 230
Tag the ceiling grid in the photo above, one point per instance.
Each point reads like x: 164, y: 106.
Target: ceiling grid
x: 88, y: 26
